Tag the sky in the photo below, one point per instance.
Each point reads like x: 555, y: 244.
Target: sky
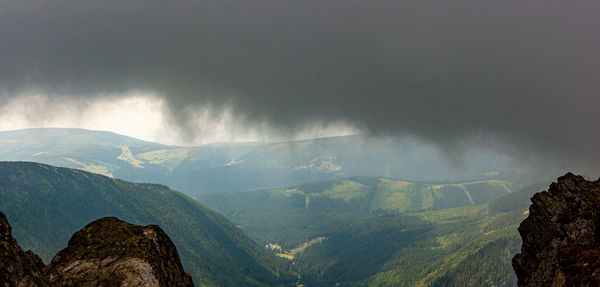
x: 520, y: 76
x: 144, y: 116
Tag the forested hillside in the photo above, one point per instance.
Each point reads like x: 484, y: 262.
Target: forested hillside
x: 46, y: 204
x: 301, y: 212
x: 369, y: 231
x: 358, y: 231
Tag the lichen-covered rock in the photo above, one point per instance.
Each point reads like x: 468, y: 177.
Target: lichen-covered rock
x: 17, y: 268
x: 107, y: 252
x: 111, y: 252
x: 561, y: 236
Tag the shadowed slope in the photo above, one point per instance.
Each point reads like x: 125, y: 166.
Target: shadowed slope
x: 47, y: 204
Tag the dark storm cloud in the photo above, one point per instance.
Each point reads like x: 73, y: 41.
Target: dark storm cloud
x: 523, y: 72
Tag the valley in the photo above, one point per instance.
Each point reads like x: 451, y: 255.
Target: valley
x: 299, y: 143
x: 319, y: 227
x: 362, y: 231
x: 46, y: 204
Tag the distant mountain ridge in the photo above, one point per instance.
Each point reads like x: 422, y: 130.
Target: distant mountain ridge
x: 255, y: 209
x: 46, y: 204
x: 210, y: 168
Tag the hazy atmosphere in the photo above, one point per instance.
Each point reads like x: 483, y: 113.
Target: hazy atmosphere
x: 299, y: 143
x: 519, y: 76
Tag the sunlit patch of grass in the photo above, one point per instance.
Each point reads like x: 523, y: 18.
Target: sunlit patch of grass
x: 128, y: 157
x: 286, y: 256
x: 171, y: 158
x: 290, y: 255
x: 95, y: 168
x: 453, y: 214
x: 347, y: 190
x: 305, y: 245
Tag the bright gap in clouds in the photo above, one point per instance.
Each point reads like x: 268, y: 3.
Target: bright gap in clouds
x: 143, y: 116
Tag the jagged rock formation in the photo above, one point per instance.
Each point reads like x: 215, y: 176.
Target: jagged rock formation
x: 112, y: 252
x: 561, y: 236
x: 17, y: 268
x: 106, y: 252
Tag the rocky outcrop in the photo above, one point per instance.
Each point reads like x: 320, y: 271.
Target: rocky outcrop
x: 112, y: 252
x: 561, y: 236
x: 106, y: 252
x: 17, y: 268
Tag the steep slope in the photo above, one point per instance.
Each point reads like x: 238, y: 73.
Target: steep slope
x: 46, y: 204
x: 561, y: 236
x: 17, y: 268
x: 466, y: 246
x: 210, y: 168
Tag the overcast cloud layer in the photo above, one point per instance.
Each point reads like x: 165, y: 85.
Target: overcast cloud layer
x: 522, y: 74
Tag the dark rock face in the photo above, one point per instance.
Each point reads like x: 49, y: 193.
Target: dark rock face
x: 106, y: 252
x: 561, y: 236
x: 17, y: 268
x: 112, y: 252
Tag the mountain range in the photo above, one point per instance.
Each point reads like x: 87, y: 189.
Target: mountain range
x: 357, y: 231
x: 342, y: 211
x: 211, y: 168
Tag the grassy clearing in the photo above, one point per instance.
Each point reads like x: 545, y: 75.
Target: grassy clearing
x: 290, y: 255
x: 128, y: 157
x: 171, y: 158
x: 346, y: 191
x: 305, y: 245
x: 95, y: 168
